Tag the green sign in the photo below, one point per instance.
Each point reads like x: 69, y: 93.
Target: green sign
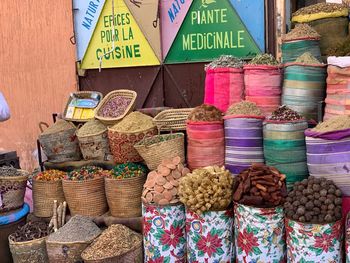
x: 211, y: 28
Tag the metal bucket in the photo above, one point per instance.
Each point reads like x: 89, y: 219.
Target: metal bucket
x: 314, y: 242
x: 209, y: 236
x: 164, y: 233
x: 259, y: 234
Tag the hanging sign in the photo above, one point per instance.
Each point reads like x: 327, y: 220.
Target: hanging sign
x: 211, y: 28
x: 118, y: 44
x: 86, y: 14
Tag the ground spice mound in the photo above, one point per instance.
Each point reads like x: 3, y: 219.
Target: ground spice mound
x: 58, y: 126
x: 264, y: 59
x: 91, y: 127
x: 341, y: 122
x: 283, y: 113
x: 134, y: 122
x: 225, y: 61
x: 301, y: 31
x: 205, y: 112
x: 244, y: 108
x: 307, y: 58
x: 115, y: 241
x: 321, y: 7
x: 10, y: 171
x: 78, y: 228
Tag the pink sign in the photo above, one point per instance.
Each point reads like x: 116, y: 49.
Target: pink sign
x: 172, y: 15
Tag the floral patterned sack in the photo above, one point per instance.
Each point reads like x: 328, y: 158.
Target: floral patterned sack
x: 164, y: 233
x: 314, y: 242
x: 209, y: 236
x: 259, y: 234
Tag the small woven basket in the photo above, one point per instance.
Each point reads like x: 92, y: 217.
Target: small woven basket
x: 122, y: 144
x: 124, y: 196
x: 12, y: 190
x: 29, y: 251
x: 86, y: 197
x: 121, y: 93
x: 44, y: 194
x: 172, y: 120
x: 66, y: 252
x: 94, y: 146
x: 154, y: 149
x: 134, y: 255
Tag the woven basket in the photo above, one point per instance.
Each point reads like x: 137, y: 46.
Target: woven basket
x: 29, y: 251
x: 122, y: 144
x: 62, y: 146
x: 135, y: 255
x: 86, y: 197
x: 121, y: 93
x: 66, y: 252
x: 172, y: 120
x: 83, y: 95
x: 44, y: 193
x: 153, y: 150
x: 12, y: 189
x: 94, y: 146
x: 124, y: 196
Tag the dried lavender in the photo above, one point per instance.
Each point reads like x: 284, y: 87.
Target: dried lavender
x: 225, y: 61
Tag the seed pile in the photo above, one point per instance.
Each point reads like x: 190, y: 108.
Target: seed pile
x: 50, y: 175
x: 260, y: 186
x: 205, y: 112
x: 264, y: 59
x: 161, y: 186
x: 59, y: 126
x: 10, y: 171
x: 78, y: 228
x: 225, y: 61
x: 30, y: 231
x: 307, y: 58
x: 116, y: 240
x: 283, y: 113
x: 244, y: 108
x: 128, y: 170
x: 314, y: 200
x: 301, y: 31
x: 334, y: 124
x: 114, y: 107
x: 321, y: 7
x: 86, y: 173
x: 91, y: 127
x: 134, y: 122
x: 207, y: 189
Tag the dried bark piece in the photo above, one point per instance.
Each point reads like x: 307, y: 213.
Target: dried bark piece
x: 168, y: 186
x: 150, y: 183
x: 163, y: 202
x: 174, y: 182
x: 152, y: 175
x: 185, y: 171
x: 176, y: 160
x: 144, y: 200
x: 176, y: 174
x: 163, y: 170
x: 149, y: 197
x: 168, y: 195
x: 169, y: 178
x: 158, y: 197
x: 174, y: 191
x: 161, y: 181
x: 180, y: 167
x: 159, y: 189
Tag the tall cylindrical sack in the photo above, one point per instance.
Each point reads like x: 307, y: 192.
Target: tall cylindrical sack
x: 259, y: 234
x: 243, y: 142
x: 304, y: 88
x: 263, y: 85
x: 205, y: 144
x: 209, y: 236
x: 314, y: 242
x: 347, y: 238
x: 338, y: 91
x: 164, y: 233
x: 223, y: 87
x: 284, y: 148
x: 292, y: 49
x: 328, y: 155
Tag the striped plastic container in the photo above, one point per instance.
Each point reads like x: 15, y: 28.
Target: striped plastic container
x: 330, y: 159
x: 243, y: 143
x: 284, y: 148
x: 304, y: 88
